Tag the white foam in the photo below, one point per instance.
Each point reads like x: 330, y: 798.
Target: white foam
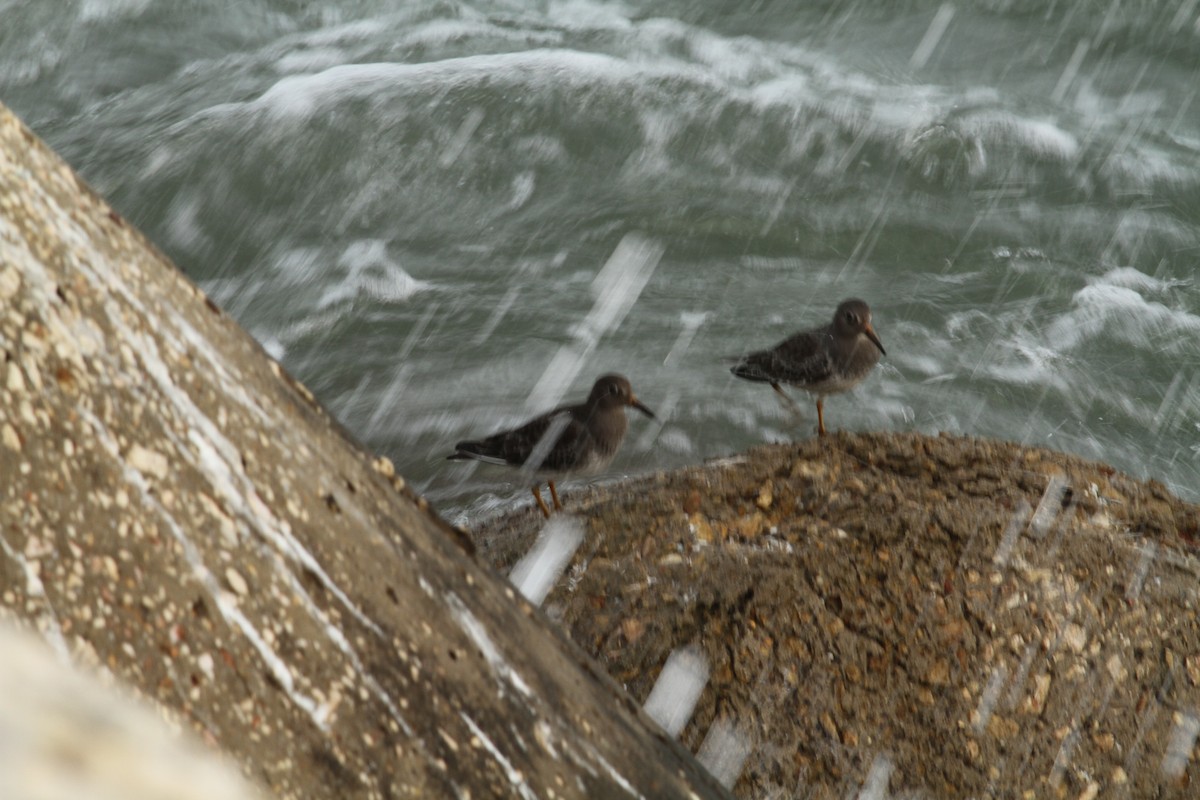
x: 299, y: 97
x: 676, y: 440
x: 1046, y: 138
x: 1041, y: 137
x: 91, y: 10
x: 1123, y: 313
x: 452, y: 32
x: 523, y: 184
x: 310, y: 60
x: 1135, y: 279
x: 586, y: 14
x: 370, y: 271
x: 183, y: 220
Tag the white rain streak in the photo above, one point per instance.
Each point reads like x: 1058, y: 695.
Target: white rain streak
x: 724, y: 751
x: 537, y: 572
x: 1146, y: 722
x: 1179, y: 748
x: 478, y: 634
x: 458, y: 142
x: 933, y: 35
x: 777, y: 208
x: 389, y: 400
x: 875, y: 787
x: 279, y: 534
x: 224, y: 602
x: 1173, y: 407
x: 1048, y: 507
x: 515, y: 778
x: 663, y: 411
x: 678, y: 688
x: 1147, y: 552
x: 48, y: 624
x: 498, y: 313
x: 1018, y: 681
x: 545, y: 443
x: 617, y: 287
x: 216, y: 459
x: 1009, y: 540
x: 1186, y: 9
x: 692, y: 320
x: 1070, y: 71
x: 1063, y: 758
x: 987, y: 700
x: 225, y: 605
x: 219, y: 471
x: 620, y: 779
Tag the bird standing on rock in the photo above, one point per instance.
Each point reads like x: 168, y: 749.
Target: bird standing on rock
x: 822, y: 361
x: 569, y: 440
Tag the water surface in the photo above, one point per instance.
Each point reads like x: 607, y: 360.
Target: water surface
x: 410, y: 203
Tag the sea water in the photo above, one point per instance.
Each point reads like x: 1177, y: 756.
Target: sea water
x: 412, y: 205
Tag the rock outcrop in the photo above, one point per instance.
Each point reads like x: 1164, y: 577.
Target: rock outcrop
x: 69, y: 735
x: 926, y: 616
x: 179, y: 512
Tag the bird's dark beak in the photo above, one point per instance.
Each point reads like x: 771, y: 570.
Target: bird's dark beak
x: 870, y: 332
x: 633, y: 401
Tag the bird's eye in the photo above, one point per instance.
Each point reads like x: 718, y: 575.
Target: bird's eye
x: 851, y: 317
x: 614, y: 389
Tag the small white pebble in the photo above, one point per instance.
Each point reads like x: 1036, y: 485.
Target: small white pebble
x: 148, y: 461
x: 236, y: 582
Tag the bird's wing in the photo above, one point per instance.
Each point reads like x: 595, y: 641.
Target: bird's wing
x: 801, y: 359
x: 557, y: 441
x: 552, y: 440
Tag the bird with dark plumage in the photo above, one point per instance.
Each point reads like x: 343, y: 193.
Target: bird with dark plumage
x: 822, y: 361
x: 571, y: 439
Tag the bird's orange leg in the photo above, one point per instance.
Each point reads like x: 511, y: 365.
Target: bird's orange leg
x: 554, y: 494
x: 820, y: 416
x: 537, y: 495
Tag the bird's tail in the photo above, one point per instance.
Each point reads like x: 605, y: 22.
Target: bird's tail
x: 474, y: 451
x: 749, y: 371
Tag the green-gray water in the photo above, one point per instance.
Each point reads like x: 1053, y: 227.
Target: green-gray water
x: 409, y: 203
